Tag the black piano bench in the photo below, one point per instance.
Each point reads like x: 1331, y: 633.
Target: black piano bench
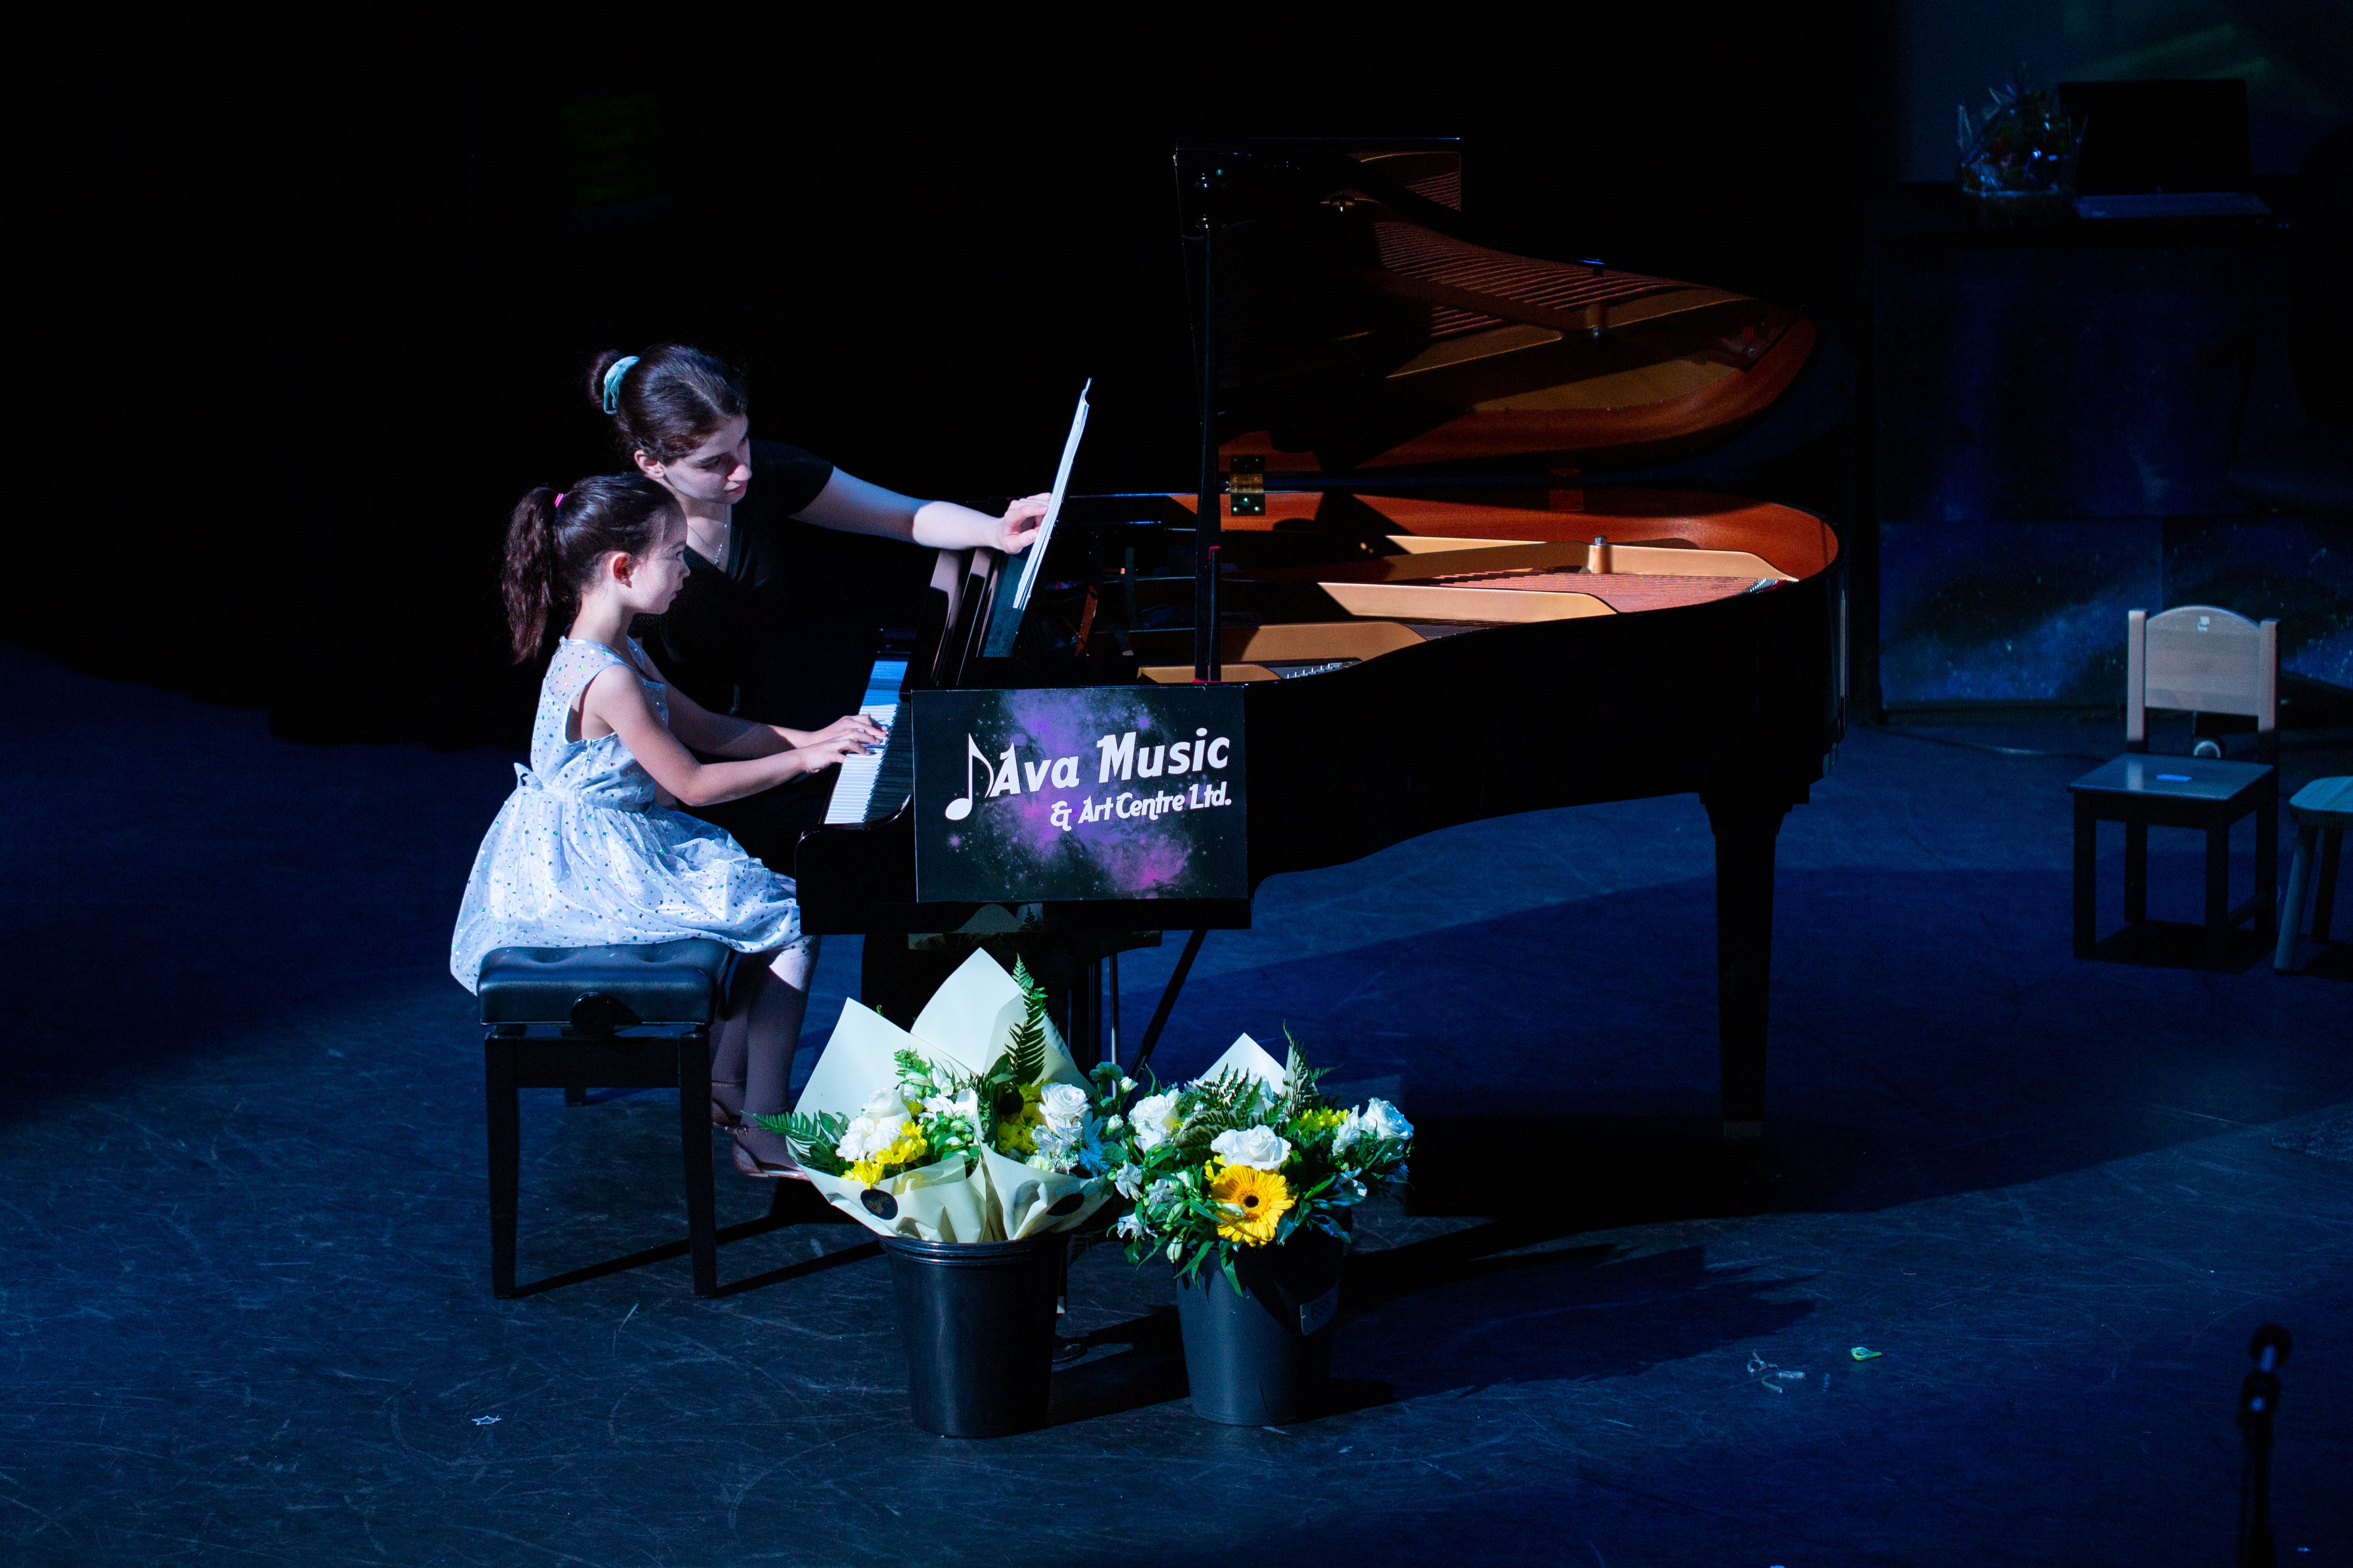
x: 625, y: 1017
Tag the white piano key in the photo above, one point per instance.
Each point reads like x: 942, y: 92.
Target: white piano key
x: 853, y: 785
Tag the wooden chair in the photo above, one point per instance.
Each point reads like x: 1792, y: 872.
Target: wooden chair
x: 2209, y: 661
x: 2322, y: 810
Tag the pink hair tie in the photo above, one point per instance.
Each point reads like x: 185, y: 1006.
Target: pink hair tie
x: 559, y: 499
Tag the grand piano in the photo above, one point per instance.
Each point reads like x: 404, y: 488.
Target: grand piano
x: 1410, y: 509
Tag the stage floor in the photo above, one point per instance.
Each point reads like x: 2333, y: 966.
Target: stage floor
x: 244, y: 1296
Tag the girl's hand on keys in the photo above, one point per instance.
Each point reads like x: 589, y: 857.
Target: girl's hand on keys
x: 820, y: 755
x: 857, y: 726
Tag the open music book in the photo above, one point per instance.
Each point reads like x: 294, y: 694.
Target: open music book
x: 1037, y: 557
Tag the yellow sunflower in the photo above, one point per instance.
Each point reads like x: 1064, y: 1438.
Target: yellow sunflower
x: 1255, y: 1202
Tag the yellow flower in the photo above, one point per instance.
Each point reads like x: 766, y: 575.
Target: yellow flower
x: 1326, y: 1119
x: 1016, y: 1129
x: 1255, y: 1202
x: 908, y: 1149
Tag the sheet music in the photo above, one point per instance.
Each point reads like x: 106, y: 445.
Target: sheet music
x: 1054, y: 506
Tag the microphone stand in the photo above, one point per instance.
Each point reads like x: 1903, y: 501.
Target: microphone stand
x: 2258, y: 1402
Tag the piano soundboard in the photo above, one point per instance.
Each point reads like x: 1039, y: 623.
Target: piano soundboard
x: 873, y: 785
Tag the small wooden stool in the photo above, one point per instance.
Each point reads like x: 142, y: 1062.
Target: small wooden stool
x: 2322, y: 810
x: 553, y: 1018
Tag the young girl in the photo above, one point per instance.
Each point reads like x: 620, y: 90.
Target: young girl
x: 587, y: 850
x: 769, y: 588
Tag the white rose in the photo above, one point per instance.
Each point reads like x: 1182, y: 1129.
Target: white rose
x: 1155, y: 1118
x: 1062, y: 1104
x: 1261, y: 1148
x: 870, y: 1134
x: 1378, y: 1119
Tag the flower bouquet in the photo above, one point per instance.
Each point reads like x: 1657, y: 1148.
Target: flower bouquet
x: 974, y: 1126
x: 1249, y: 1168
x: 969, y: 1143
x: 2018, y: 153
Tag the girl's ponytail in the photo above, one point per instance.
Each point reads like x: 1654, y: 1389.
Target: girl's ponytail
x: 528, y: 583
x: 556, y: 539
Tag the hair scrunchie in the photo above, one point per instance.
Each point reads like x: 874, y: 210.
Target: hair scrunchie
x: 613, y: 382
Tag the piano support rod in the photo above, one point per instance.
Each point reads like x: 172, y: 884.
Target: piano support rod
x: 1209, y: 517
x: 1167, y: 1001
x: 1111, y: 1011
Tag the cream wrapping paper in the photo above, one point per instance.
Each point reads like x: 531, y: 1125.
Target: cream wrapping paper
x: 1250, y: 1059
x: 966, y: 1024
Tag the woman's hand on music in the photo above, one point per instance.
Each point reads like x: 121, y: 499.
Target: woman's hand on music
x: 1019, y: 527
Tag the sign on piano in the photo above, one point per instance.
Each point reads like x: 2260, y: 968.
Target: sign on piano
x: 1106, y: 792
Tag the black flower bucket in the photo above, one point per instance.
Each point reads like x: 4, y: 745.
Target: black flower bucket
x: 978, y: 1318
x: 1263, y: 1357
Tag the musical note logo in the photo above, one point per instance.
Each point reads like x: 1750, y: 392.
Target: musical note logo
x: 959, y: 809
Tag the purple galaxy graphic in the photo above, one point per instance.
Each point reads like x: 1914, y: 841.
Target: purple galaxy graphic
x: 1126, y: 791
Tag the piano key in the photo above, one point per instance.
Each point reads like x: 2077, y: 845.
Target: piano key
x: 854, y: 786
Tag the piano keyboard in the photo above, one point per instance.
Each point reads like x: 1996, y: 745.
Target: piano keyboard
x: 873, y: 786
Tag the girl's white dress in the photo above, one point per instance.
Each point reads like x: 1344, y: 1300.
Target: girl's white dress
x: 581, y: 856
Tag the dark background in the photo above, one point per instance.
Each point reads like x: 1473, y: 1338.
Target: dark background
x: 324, y: 303
x: 314, y: 308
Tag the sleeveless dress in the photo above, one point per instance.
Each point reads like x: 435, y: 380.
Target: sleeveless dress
x: 581, y: 856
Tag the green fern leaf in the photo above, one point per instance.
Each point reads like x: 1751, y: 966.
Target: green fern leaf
x: 812, y: 1138
x: 1027, y: 1049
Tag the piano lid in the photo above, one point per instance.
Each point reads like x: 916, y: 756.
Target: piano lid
x: 1361, y: 324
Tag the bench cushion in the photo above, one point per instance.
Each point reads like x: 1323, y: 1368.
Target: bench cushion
x: 660, y: 983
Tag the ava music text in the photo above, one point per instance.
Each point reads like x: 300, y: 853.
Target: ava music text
x: 1121, y: 758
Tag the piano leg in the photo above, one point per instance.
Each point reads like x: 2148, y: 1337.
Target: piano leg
x: 1746, y: 826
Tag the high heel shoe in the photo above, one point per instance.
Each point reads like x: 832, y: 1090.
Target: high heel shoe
x: 751, y: 1165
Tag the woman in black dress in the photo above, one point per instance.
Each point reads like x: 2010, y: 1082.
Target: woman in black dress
x: 734, y: 638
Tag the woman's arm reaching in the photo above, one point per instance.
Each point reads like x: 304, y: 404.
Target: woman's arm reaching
x: 616, y: 699
x: 853, y: 506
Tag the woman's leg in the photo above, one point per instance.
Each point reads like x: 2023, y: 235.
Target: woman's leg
x: 772, y: 1015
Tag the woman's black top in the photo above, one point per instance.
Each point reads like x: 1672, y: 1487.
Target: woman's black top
x: 783, y: 631
x: 727, y: 641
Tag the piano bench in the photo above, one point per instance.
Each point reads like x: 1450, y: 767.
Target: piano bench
x: 629, y: 1017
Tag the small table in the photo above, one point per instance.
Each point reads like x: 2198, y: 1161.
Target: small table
x: 2143, y: 791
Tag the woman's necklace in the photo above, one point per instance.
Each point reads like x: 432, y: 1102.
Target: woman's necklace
x: 713, y: 549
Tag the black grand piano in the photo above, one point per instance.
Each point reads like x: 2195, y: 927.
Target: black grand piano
x: 1407, y: 507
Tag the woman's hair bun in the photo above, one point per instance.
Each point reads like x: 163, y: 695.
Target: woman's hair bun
x: 670, y: 401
